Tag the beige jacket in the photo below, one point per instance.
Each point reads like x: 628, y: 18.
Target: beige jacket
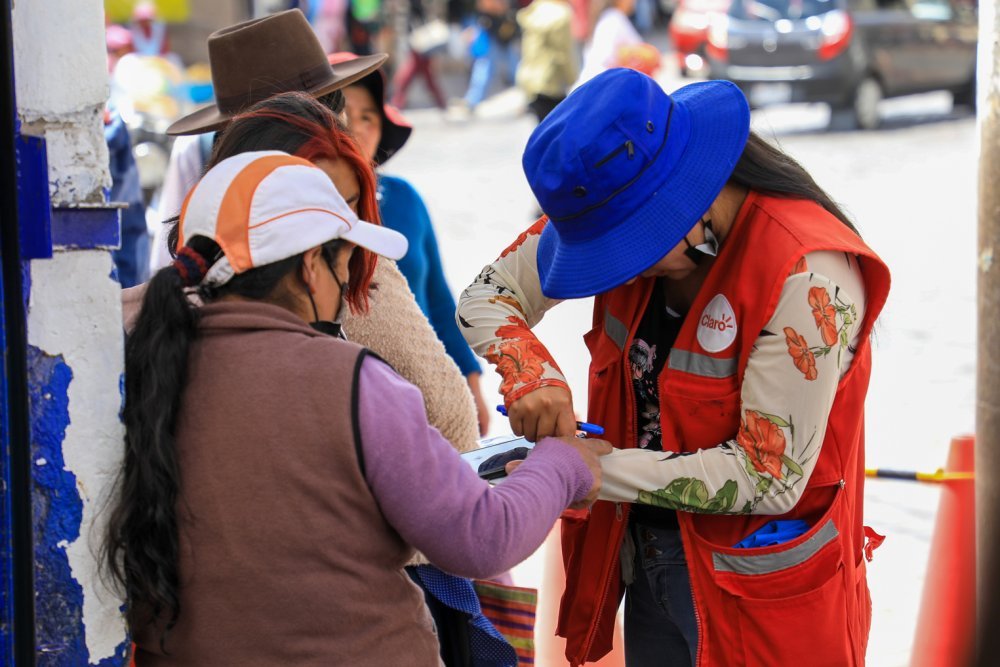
x: 396, y: 329
x: 548, y: 64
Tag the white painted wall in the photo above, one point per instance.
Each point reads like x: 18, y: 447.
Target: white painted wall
x: 60, y: 70
x: 75, y: 307
x: 64, y: 39
x: 75, y: 311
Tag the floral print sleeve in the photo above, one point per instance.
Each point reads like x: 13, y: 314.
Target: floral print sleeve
x: 497, y: 311
x: 788, y: 389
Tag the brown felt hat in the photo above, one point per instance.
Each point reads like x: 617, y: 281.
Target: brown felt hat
x: 255, y: 60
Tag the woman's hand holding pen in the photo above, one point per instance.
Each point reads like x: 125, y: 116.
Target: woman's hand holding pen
x: 545, y: 411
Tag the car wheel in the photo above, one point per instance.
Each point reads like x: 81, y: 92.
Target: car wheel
x: 867, y: 96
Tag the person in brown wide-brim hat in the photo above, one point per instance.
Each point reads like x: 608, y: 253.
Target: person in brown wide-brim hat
x: 256, y: 59
x: 395, y: 129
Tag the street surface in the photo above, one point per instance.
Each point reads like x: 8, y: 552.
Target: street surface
x: 911, y: 189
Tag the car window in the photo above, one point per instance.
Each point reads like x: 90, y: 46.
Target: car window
x: 775, y: 10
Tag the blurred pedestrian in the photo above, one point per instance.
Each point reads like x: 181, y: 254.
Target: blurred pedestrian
x: 364, y: 22
x: 426, y: 39
x: 549, y: 63
x: 612, y: 31
x: 493, y: 46
x: 130, y: 257
x: 381, y: 131
x: 730, y: 359
x: 272, y: 465
x: 644, y: 14
x: 149, y: 35
x: 331, y: 24
x: 582, y: 23
x: 118, y: 40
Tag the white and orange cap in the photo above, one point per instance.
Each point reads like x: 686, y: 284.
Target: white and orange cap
x: 266, y: 206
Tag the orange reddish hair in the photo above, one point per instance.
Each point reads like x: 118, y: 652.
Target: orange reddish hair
x: 296, y: 123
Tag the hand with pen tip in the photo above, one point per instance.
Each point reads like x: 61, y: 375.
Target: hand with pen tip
x: 543, y: 412
x: 587, y: 428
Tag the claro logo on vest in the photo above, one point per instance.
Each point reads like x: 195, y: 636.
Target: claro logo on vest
x: 717, y: 325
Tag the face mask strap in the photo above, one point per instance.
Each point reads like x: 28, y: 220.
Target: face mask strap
x: 709, y: 248
x: 330, y: 328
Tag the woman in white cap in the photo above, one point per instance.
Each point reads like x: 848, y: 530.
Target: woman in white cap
x: 276, y: 477
x: 392, y: 325
x: 729, y: 363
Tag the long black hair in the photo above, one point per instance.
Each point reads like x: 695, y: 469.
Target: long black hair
x: 769, y: 170
x: 141, y: 547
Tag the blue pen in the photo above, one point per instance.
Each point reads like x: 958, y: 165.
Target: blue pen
x: 591, y: 429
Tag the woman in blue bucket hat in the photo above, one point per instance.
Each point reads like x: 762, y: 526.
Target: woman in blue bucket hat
x: 729, y: 365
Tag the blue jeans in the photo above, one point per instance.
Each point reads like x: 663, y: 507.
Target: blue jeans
x: 484, y: 68
x: 660, y: 625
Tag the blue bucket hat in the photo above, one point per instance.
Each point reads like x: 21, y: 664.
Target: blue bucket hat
x: 624, y: 171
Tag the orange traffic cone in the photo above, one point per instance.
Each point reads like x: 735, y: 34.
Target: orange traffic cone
x: 947, y: 622
x: 550, y: 650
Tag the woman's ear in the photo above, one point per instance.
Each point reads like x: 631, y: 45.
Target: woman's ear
x: 311, y: 267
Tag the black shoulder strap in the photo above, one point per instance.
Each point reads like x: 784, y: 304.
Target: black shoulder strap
x: 355, y: 398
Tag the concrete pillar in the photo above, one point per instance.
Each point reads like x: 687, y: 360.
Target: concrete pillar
x: 988, y: 347
x: 75, y: 359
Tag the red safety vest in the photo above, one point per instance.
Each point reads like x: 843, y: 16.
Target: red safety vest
x: 802, y: 602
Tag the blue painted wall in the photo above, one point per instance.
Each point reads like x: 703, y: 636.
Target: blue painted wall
x: 57, y: 510
x: 6, y: 543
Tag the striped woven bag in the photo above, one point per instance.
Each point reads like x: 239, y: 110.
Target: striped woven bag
x: 511, y: 610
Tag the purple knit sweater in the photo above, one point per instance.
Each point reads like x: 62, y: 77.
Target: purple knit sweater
x: 438, y: 503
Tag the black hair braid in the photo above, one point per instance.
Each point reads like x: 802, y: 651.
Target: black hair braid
x: 142, y: 545
x: 141, y: 548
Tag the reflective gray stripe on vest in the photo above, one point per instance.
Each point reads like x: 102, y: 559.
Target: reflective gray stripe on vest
x: 700, y: 364
x: 767, y: 563
x: 615, y: 329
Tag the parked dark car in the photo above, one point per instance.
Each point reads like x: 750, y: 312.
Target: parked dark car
x: 848, y: 53
x: 688, y: 32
